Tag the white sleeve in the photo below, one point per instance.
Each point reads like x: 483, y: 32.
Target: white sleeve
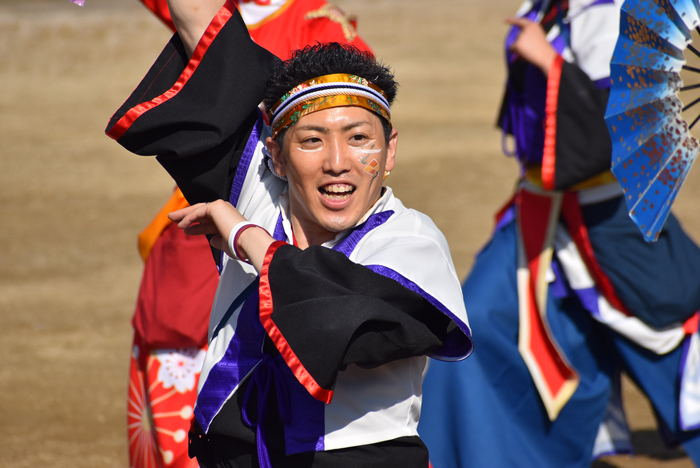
x: 594, y: 32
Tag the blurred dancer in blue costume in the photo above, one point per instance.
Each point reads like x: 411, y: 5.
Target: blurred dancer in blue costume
x: 567, y: 294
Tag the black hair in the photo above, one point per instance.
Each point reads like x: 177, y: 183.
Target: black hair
x: 326, y: 59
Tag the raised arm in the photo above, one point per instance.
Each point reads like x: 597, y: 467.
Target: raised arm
x: 191, y: 18
x: 581, y: 144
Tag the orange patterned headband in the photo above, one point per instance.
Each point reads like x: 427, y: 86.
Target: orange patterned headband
x: 324, y: 92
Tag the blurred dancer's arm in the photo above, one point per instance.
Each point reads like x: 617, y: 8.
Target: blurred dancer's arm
x: 532, y: 45
x: 583, y: 145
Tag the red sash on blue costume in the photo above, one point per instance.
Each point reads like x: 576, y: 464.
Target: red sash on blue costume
x: 538, y: 213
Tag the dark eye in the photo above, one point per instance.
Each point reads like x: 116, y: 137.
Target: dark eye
x: 358, y: 138
x: 312, y: 141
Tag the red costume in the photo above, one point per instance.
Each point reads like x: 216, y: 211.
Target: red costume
x: 290, y: 24
x: 180, y: 279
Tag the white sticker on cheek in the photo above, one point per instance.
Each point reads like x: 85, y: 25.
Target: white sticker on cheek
x: 309, y: 150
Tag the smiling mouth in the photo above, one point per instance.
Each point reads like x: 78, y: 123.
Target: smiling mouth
x: 337, y: 192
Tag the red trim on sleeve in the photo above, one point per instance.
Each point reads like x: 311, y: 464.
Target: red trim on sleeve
x: 550, y: 124
x: 278, y: 339
x: 221, y: 18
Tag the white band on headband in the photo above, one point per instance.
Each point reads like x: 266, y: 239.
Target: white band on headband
x: 330, y: 89
x: 336, y: 84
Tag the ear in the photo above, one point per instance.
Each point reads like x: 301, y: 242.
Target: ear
x: 391, y: 150
x: 277, y: 159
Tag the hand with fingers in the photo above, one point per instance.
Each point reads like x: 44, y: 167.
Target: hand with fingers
x: 532, y: 45
x: 221, y: 219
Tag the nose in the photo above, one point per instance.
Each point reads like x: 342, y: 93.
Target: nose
x: 338, y: 158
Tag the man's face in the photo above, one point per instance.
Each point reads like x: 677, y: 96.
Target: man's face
x: 334, y: 161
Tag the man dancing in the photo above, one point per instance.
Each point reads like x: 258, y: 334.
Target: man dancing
x: 179, y: 279
x: 332, y: 293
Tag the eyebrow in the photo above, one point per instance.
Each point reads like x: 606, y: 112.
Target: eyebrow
x: 325, y: 130
x: 313, y: 128
x: 355, y: 124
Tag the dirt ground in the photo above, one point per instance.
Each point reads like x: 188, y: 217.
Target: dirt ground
x: 73, y: 201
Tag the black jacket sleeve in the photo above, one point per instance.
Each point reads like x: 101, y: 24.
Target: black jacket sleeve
x: 583, y: 146
x: 196, y: 115
x: 333, y: 312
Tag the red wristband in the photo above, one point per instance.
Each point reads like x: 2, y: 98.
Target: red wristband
x: 237, y: 252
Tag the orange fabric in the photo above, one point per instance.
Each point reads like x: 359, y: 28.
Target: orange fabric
x: 150, y: 235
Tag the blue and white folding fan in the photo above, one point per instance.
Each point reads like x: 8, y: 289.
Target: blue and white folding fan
x: 653, y: 149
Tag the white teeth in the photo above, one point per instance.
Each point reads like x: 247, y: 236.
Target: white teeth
x: 338, y: 188
x: 337, y: 191
x: 337, y: 196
